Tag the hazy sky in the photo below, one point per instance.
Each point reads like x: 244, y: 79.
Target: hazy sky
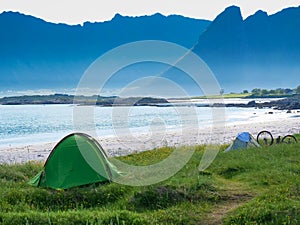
x: 78, y: 11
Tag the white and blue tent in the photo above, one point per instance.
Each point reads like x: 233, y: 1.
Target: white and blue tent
x: 242, y: 141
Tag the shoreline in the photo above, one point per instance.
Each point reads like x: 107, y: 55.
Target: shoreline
x: 128, y: 144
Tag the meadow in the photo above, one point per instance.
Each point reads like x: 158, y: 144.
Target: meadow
x: 253, y: 186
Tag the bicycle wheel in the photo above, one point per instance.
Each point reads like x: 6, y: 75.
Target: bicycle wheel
x: 289, y: 139
x: 265, y: 138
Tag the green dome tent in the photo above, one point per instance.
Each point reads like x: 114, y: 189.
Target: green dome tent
x: 76, y: 160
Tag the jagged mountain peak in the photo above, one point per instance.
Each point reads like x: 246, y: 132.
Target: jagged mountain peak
x: 260, y: 14
x: 230, y: 14
x: 228, y: 21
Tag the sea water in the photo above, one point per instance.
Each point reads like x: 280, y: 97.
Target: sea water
x: 32, y: 124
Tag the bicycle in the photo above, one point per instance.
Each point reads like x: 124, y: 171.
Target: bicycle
x: 265, y: 138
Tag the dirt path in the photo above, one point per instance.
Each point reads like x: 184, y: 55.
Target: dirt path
x: 233, y: 196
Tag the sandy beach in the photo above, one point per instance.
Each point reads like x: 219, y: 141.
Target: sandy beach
x: 277, y: 122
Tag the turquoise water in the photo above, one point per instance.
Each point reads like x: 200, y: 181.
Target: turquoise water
x: 31, y: 124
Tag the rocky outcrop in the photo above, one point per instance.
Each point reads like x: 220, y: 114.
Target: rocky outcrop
x: 290, y: 103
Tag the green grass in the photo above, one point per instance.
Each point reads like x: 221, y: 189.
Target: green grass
x: 255, y: 186
x: 231, y: 95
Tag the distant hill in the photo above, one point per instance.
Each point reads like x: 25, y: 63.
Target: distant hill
x: 260, y: 51
x: 37, y: 54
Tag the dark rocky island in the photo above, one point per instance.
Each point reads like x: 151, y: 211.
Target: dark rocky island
x: 289, y: 103
x: 81, y: 100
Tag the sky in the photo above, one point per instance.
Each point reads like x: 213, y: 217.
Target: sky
x: 80, y: 11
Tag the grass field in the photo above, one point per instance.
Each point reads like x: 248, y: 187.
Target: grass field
x: 255, y: 186
x: 231, y: 95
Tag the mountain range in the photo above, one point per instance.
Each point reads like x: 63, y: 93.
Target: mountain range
x: 38, y: 54
x: 259, y: 51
